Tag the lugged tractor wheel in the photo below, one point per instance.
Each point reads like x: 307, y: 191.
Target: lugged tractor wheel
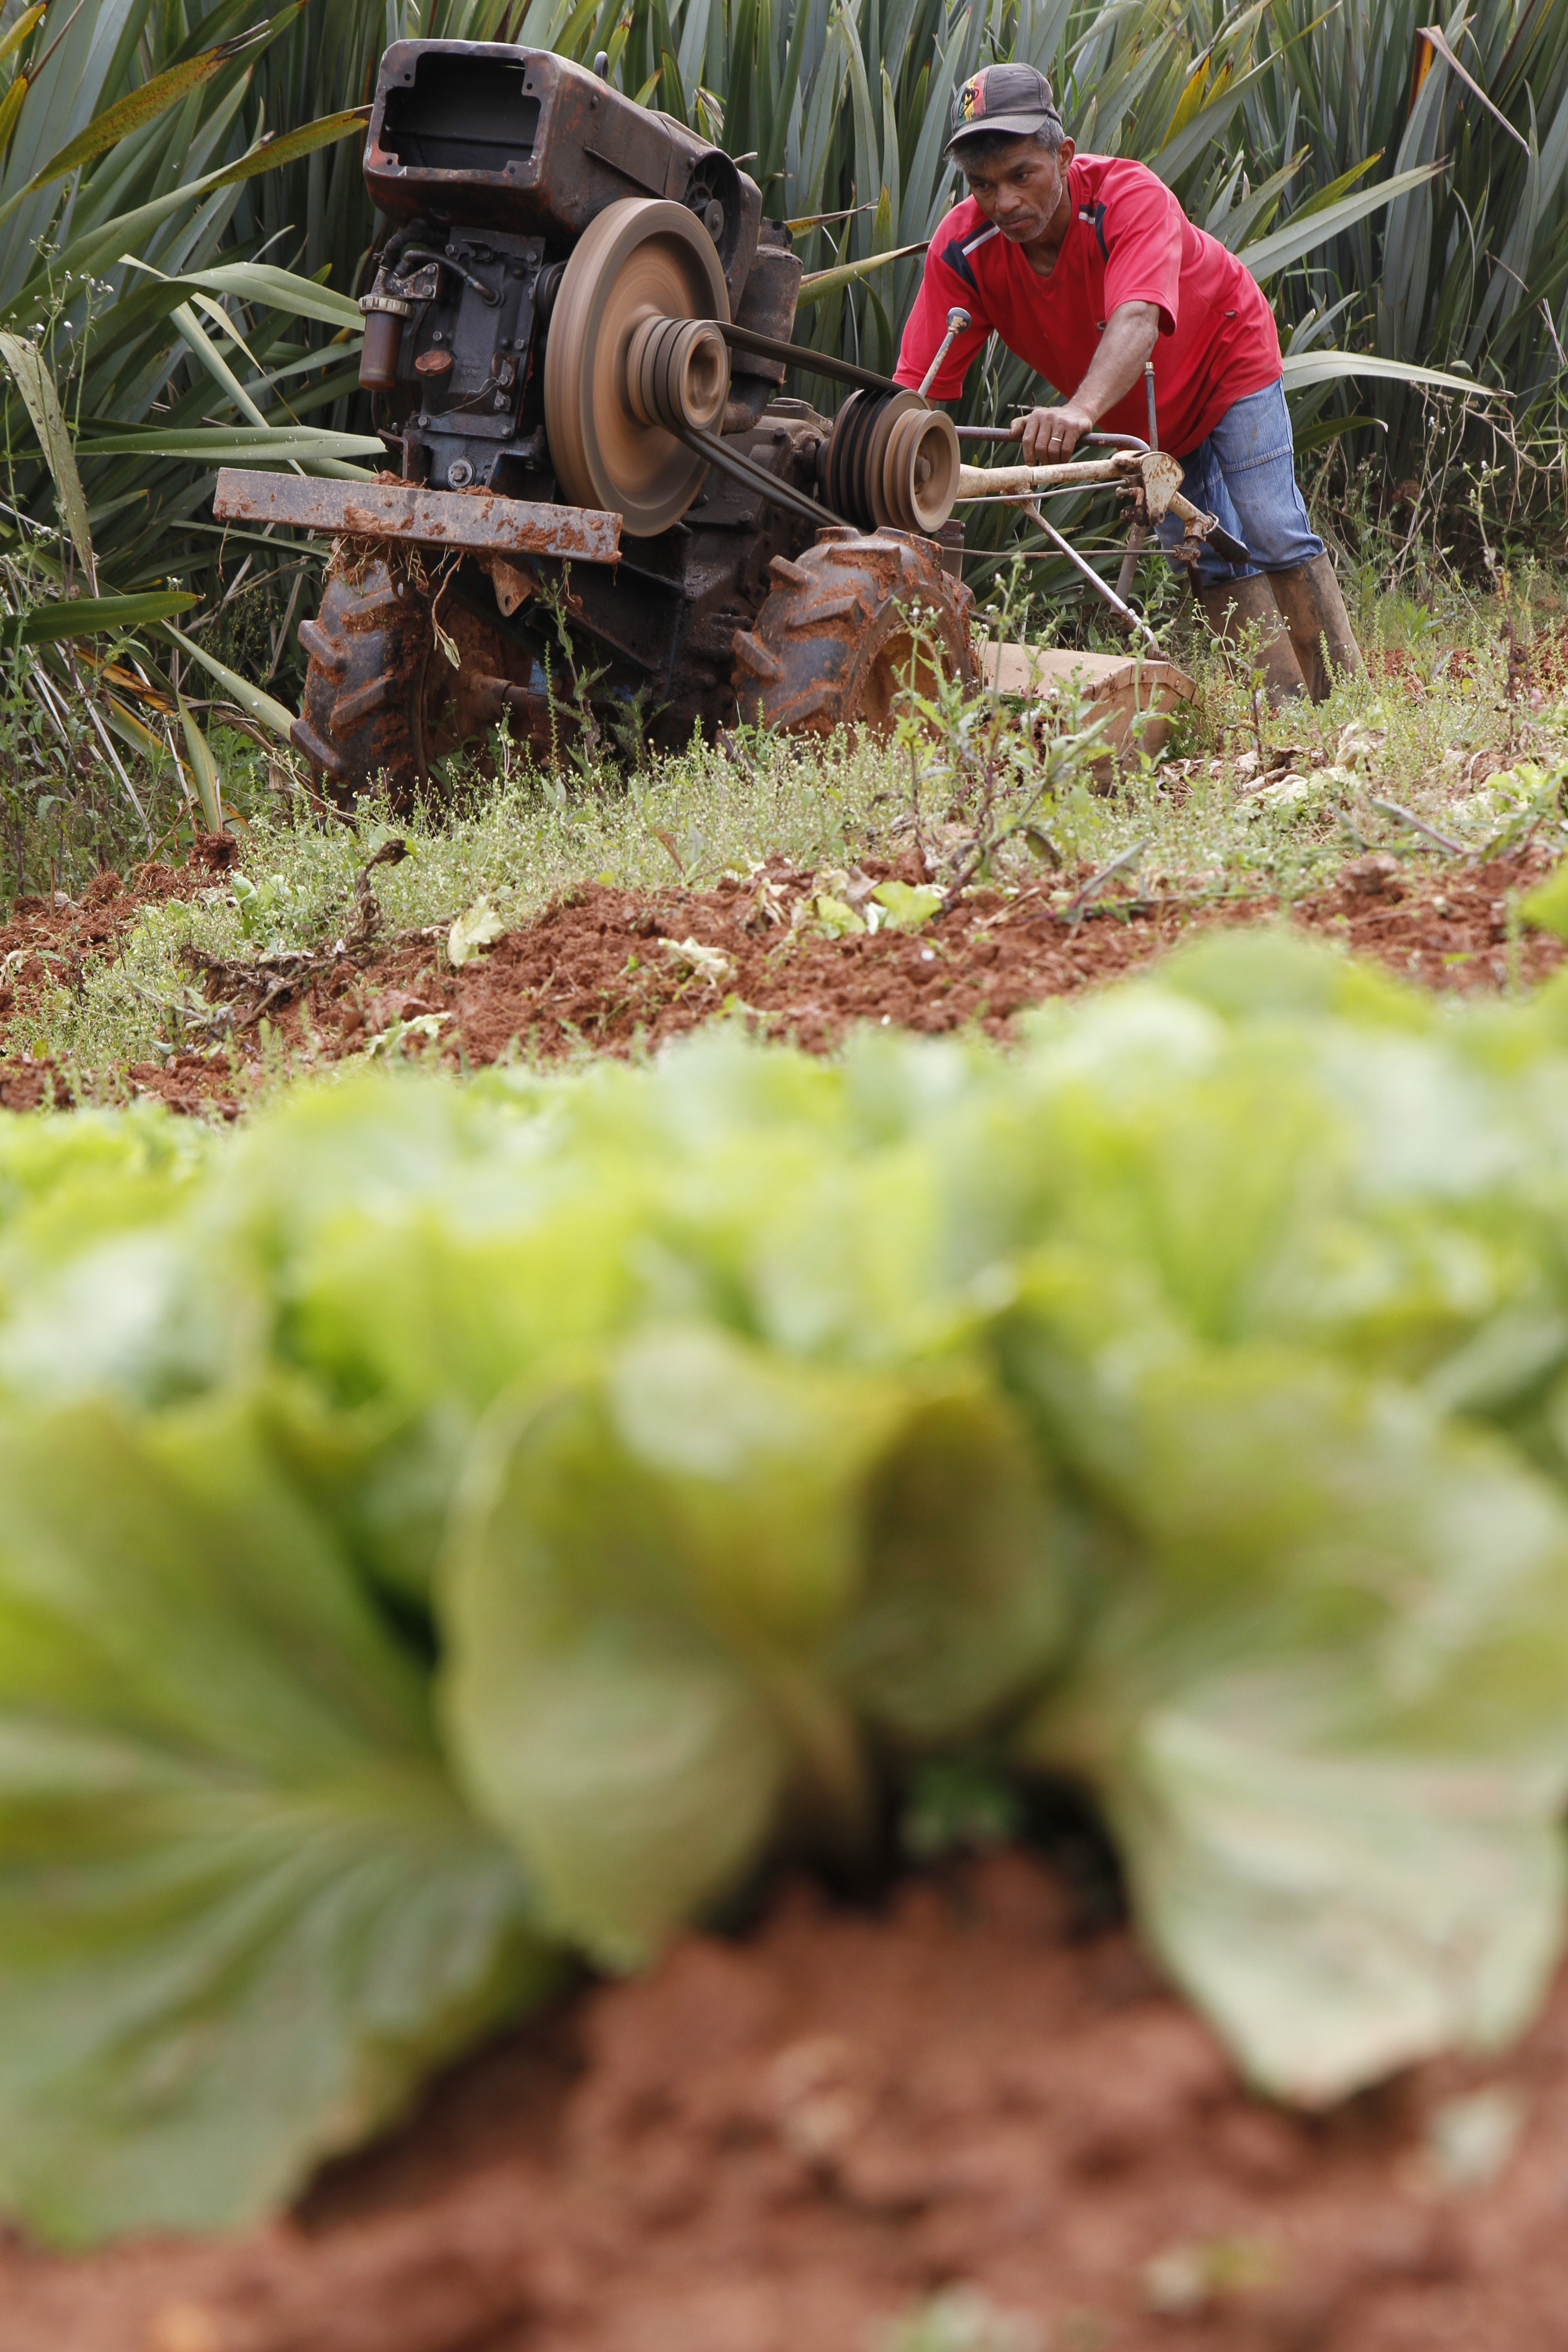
x: 369, y: 649
x: 846, y: 628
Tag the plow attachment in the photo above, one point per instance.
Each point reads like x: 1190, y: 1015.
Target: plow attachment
x: 468, y: 523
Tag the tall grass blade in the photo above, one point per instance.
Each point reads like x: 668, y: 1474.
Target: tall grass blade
x: 96, y: 617
x: 259, y: 706
x: 1270, y: 255
x: 24, y: 363
x: 204, y: 768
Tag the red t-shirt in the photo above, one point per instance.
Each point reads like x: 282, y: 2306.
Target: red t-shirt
x: 1129, y: 241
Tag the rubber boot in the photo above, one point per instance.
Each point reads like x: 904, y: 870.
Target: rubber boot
x: 1233, y: 608
x: 1309, y: 597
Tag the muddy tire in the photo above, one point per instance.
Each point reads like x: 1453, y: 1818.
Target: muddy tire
x: 832, y: 644
x: 369, y: 649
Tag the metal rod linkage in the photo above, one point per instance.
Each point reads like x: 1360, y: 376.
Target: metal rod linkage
x: 1090, y: 574
x: 1017, y: 497
x: 1137, y: 536
x: 1000, y: 434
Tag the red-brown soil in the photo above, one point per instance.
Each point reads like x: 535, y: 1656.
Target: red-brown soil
x: 46, y: 945
x: 607, y: 970
x: 782, y: 2142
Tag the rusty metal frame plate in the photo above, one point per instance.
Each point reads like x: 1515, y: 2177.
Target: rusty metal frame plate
x: 470, y: 522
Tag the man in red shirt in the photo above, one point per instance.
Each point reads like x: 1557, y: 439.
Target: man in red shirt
x: 1086, y: 267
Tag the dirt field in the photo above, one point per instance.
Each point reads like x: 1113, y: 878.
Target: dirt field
x: 795, y: 2139
x: 606, y: 969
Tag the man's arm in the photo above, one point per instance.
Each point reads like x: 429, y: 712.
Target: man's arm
x: 1050, y: 434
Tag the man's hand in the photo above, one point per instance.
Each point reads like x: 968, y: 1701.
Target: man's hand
x: 1050, y: 434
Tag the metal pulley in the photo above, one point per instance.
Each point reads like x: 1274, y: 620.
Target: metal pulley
x: 634, y: 357
x: 677, y: 374
x: 636, y: 374
x: 892, y: 463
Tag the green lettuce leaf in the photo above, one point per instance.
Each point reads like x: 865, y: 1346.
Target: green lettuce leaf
x: 423, y: 1248
x: 1267, y: 1145
x: 511, y: 1225
x: 242, y: 1911
x: 149, y: 1315
x: 674, y: 1576
x: 1322, y: 1697
x: 962, y: 1600
x: 68, y: 1176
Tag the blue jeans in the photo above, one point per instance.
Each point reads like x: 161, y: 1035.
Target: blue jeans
x: 1245, y: 474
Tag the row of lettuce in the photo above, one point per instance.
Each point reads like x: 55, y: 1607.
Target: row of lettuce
x: 449, y: 1532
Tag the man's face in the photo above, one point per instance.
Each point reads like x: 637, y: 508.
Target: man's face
x: 1021, y: 188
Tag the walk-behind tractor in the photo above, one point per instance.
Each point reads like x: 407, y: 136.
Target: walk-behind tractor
x: 577, y: 338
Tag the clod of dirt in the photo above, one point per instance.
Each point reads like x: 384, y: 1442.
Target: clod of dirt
x: 215, y: 852
x: 1372, y: 875
x: 29, y: 1084
x: 794, y: 2138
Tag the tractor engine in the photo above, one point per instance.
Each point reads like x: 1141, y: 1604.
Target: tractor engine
x: 576, y: 342
x: 493, y: 162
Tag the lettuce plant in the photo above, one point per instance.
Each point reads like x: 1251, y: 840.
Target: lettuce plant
x: 451, y: 1527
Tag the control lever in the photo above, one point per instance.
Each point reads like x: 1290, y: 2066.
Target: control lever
x: 958, y: 322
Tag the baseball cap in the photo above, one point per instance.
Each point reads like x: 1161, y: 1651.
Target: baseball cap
x: 1009, y: 99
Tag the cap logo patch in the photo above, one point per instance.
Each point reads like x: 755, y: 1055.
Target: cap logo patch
x: 1013, y: 100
